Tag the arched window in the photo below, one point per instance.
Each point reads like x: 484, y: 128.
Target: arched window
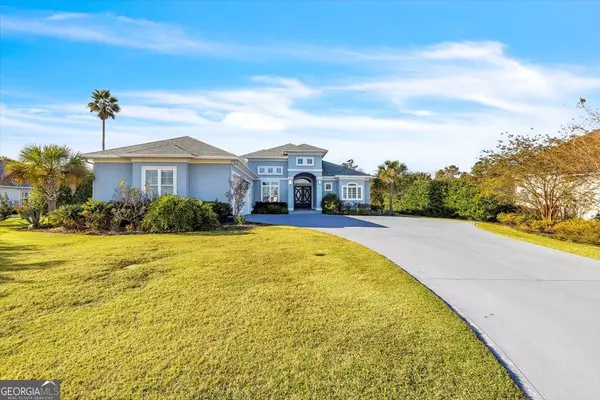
x: 352, y: 191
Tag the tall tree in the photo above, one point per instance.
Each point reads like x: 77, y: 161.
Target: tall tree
x: 388, y: 174
x: 537, y: 171
x: 106, y: 106
x: 47, y: 168
x: 350, y: 164
x: 449, y: 172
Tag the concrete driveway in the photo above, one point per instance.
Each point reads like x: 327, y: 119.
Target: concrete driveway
x: 537, y: 308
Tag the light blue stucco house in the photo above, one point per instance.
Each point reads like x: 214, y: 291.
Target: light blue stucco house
x: 296, y: 174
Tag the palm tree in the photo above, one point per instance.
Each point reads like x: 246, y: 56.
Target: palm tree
x: 388, y: 174
x: 47, y: 168
x: 106, y: 106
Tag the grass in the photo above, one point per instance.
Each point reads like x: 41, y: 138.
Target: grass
x: 586, y: 250
x: 271, y: 312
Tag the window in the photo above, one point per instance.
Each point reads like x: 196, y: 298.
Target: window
x: 308, y: 161
x: 262, y: 170
x: 159, y: 180
x: 269, y: 191
x: 24, y: 197
x: 328, y: 187
x: 352, y: 191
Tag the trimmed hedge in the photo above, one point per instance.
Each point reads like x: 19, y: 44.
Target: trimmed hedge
x: 261, y: 207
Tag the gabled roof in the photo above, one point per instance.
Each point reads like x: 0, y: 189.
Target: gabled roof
x: 4, y: 181
x: 331, y: 169
x: 184, y: 146
x: 281, y: 151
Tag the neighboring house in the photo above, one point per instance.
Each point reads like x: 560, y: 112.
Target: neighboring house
x: 188, y: 167
x: 16, y: 193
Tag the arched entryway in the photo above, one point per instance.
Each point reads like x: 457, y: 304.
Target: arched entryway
x: 304, y: 187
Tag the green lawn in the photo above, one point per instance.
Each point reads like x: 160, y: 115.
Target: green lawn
x: 270, y: 312
x: 586, y: 250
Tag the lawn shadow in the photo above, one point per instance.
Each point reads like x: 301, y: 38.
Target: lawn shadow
x: 313, y: 220
x: 11, y: 257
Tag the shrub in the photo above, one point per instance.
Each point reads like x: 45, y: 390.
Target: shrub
x: 542, y: 226
x: 356, y: 208
x: 331, y: 204
x: 172, y: 213
x: 98, y: 215
x: 6, y: 209
x: 261, y: 207
x: 31, y: 214
x: 239, y: 220
x: 515, y: 219
x: 130, y: 206
x: 68, y: 216
x: 222, y: 209
x: 578, y: 230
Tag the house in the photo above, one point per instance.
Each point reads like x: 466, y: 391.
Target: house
x: 185, y: 166
x: 17, y: 194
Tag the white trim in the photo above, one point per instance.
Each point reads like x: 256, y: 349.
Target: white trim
x: 265, y: 170
x: 304, y: 170
x: 159, y: 168
x: 330, y: 186
x: 359, y: 190
x: 305, y: 159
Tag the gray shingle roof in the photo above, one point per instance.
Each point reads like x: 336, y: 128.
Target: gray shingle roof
x: 181, y: 146
x: 280, y: 151
x: 331, y: 169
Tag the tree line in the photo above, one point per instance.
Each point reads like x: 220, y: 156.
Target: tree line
x: 551, y: 177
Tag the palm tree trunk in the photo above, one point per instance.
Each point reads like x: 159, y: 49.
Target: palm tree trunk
x: 51, y: 204
x: 391, y: 198
x: 103, y: 133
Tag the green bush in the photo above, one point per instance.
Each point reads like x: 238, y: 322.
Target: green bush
x: 465, y: 200
x: 222, y: 209
x: 424, y: 196
x: 172, y: 213
x: 541, y: 226
x: 68, y: 216
x: 6, y: 209
x: 239, y: 220
x: 331, y: 204
x: 507, y: 218
x: 261, y: 207
x: 578, y: 230
x: 98, y: 215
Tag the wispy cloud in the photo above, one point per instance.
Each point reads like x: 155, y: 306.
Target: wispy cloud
x: 428, y: 106
x: 108, y: 29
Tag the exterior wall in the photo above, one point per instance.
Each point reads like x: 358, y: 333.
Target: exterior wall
x: 13, y: 193
x: 254, y: 164
x: 209, y: 181
x: 295, y: 169
x: 182, y: 174
x: 107, y: 177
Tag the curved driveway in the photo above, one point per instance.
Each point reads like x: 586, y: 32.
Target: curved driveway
x: 538, y: 308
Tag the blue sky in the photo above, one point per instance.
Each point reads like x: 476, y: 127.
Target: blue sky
x: 427, y: 83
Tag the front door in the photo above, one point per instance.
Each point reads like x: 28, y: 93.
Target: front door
x: 302, y: 196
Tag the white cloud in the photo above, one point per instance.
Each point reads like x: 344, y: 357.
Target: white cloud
x: 428, y: 107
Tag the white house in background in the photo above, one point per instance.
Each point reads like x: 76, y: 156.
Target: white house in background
x: 16, y: 193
